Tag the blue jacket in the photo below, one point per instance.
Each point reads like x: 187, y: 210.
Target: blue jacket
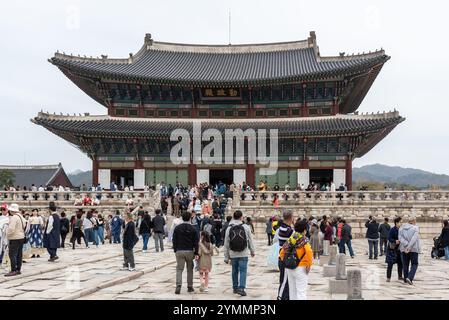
x: 116, y: 224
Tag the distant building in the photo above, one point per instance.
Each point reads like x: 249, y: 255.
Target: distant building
x: 45, y: 175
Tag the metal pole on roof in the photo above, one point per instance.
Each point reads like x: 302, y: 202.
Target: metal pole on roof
x: 229, y: 31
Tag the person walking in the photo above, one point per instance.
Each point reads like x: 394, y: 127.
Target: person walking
x: 186, y: 248
x: 393, y: 254
x: 52, y: 233
x: 145, y: 231
x: 100, y: 229
x: 34, y: 233
x: 4, y: 220
x: 283, y: 233
x: 88, y: 227
x: 65, y: 228
x: 315, y: 239
x: 237, y: 246
x: 116, y: 227
x: 130, y: 239
x: 297, y: 250
x: 444, y: 239
x: 268, y: 230
x: 346, y: 239
x: 15, y: 233
x: 384, y: 230
x: 158, y: 230
x: 205, y: 253
x: 372, y: 234
x: 77, y: 231
x: 409, y: 245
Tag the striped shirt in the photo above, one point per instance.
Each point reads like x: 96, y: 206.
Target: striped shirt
x: 284, y: 233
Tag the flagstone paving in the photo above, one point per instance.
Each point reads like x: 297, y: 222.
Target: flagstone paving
x: 95, y: 273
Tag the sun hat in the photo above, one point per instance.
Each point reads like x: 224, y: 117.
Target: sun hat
x: 14, y: 207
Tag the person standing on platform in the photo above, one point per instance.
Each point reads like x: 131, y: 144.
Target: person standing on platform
x: 284, y: 232
x: 409, y: 245
x: 158, y: 230
x: 393, y: 254
x: 15, y: 234
x: 185, y: 246
x: 52, y: 233
x: 237, y: 246
x: 384, y: 230
x: 116, y: 227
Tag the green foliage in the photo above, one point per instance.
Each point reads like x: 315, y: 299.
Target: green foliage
x: 6, y: 178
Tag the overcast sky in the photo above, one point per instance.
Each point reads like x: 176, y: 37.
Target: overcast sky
x: 415, y: 80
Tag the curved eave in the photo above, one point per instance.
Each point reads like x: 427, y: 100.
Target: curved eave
x: 108, y: 127
x: 313, y: 76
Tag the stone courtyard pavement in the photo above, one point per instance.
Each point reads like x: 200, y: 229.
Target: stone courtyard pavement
x: 95, y: 273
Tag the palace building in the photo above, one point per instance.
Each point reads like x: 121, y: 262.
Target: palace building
x: 312, y: 100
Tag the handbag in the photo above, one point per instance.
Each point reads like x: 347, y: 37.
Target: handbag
x: 25, y: 239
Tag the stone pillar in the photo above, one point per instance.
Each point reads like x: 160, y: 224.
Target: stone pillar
x: 326, y: 245
x: 95, y: 172
x: 354, y: 285
x: 341, y: 267
x: 333, y: 255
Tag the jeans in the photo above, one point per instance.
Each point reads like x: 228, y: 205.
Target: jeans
x: 159, y: 240
x: 342, y: 248
x: 407, y: 258
x: 100, y: 233
x: 373, y: 245
x: 270, y: 239
x: 15, y: 254
x: 239, y: 268
x: 63, y: 236
x: 145, y: 238
x: 116, y: 236
x: 90, y: 235
x: 184, y: 258
x: 446, y: 253
x: 383, y: 246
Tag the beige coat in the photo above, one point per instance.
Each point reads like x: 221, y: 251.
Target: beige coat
x: 16, y: 227
x: 205, y: 254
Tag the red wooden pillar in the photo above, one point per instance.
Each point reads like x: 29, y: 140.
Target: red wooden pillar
x: 349, y: 173
x: 250, y: 173
x: 191, y: 172
x: 95, y: 172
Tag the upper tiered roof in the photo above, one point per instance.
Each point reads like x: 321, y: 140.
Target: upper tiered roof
x: 222, y: 65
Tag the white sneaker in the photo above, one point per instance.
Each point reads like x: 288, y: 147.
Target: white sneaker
x: 131, y: 269
x: 144, y: 251
x: 206, y: 289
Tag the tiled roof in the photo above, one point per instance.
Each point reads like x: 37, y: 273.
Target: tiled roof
x: 37, y: 175
x: 170, y: 63
x: 106, y: 126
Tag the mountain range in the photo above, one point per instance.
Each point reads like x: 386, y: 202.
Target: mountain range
x: 375, y: 173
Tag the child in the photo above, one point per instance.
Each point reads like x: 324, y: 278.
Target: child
x: 205, y: 253
x: 129, y: 241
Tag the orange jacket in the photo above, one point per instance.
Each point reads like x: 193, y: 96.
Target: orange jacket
x: 307, y: 260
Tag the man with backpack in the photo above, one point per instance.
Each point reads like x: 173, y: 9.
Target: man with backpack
x: 238, y: 245
x: 284, y: 233
x: 297, y: 257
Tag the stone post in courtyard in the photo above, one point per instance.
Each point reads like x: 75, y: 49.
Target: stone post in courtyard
x: 326, y: 244
x: 355, y: 285
x: 329, y: 270
x: 341, y: 267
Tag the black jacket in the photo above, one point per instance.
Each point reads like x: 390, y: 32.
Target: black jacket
x: 372, y: 231
x: 185, y: 237
x: 444, y: 237
x: 64, y: 222
x: 145, y: 226
x: 158, y: 224
x: 346, y: 232
x: 129, y: 236
x: 384, y: 230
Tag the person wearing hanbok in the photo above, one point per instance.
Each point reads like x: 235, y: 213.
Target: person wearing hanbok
x: 35, y: 234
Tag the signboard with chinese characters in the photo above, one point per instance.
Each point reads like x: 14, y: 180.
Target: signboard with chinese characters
x: 220, y: 94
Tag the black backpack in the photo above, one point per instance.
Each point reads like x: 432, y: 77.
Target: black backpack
x: 237, y: 238
x: 291, y: 259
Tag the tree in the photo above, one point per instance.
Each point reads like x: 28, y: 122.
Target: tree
x: 6, y: 178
